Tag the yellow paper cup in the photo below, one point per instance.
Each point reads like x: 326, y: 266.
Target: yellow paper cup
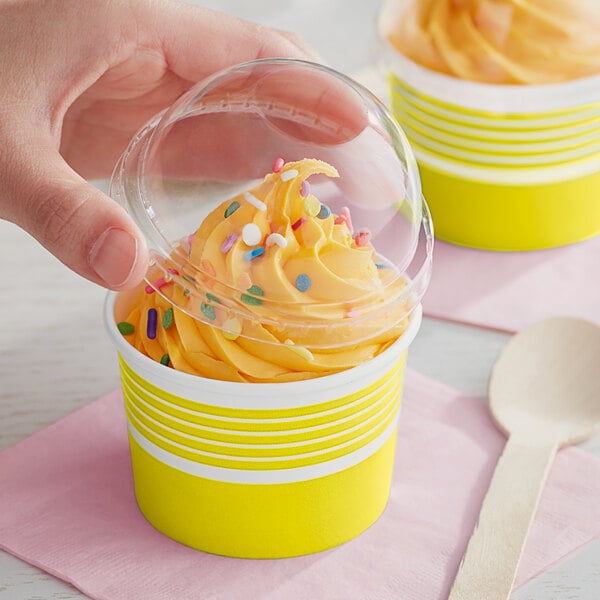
x: 261, y: 470
x: 503, y: 167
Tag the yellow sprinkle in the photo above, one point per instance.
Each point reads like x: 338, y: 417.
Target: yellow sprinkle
x: 300, y: 350
x: 312, y: 206
x: 231, y: 329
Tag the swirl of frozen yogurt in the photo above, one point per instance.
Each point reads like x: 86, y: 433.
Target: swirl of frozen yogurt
x: 501, y: 41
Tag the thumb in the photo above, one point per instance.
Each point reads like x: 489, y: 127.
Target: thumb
x: 76, y: 222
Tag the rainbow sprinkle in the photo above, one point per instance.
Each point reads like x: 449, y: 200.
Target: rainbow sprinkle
x: 302, y: 282
x: 311, y: 206
x: 254, y: 201
x: 228, y: 243
x: 298, y: 223
x: 231, y: 208
x: 324, y: 212
x: 252, y: 254
x: 167, y: 319
x: 278, y: 165
x: 289, y: 175
x: 251, y: 234
x: 276, y: 239
x: 151, y: 323
x: 305, y: 188
x: 232, y: 329
x: 164, y: 360
x: 362, y: 238
x: 212, y: 298
x: 126, y: 328
x: 208, y: 311
x: 255, y: 290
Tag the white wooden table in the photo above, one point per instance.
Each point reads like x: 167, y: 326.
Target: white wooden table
x: 48, y: 316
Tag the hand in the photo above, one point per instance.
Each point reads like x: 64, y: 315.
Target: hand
x: 77, y: 80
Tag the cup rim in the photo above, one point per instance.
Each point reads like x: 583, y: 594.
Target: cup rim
x: 485, y: 97
x: 227, y: 388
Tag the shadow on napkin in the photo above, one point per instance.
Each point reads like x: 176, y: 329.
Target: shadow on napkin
x: 68, y: 507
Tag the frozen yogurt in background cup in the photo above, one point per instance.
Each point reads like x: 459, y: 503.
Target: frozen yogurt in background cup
x: 501, y: 103
x: 262, y: 359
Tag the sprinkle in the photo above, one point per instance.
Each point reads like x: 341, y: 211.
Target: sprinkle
x: 212, y: 298
x: 344, y: 217
x: 208, y: 311
x: 164, y: 360
x: 125, y: 328
x: 156, y: 285
x: 189, y: 279
x: 381, y: 266
x: 231, y: 208
x: 244, y: 281
x: 149, y: 289
x: 167, y: 319
x: 324, y: 212
x: 276, y: 239
x: 362, y: 238
x: 255, y: 290
x: 288, y: 175
x: 298, y: 223
x: 300, y: 350
x: 305, y: 188
x: 208, y: 267
x: 186, y: 292
x: 254, y: 253
x: 173, y: 271
x: 231, y: 329
x: 151, y: 325
x: 190, y: 239
x: 251, y: 300
x: 278, y: 164
x: 251, y: 234
x: 251, y: 199
x: 302, y: 282
x: 352, y: 313
x: 312, y: 206
x: 228, y: 243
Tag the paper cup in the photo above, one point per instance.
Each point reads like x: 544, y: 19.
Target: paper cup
x: 261, y: 470
x: 503, y: 167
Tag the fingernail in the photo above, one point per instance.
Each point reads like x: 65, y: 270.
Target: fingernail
x: 113, y: 256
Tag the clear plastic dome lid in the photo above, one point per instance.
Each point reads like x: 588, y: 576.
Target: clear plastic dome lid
x: 281, y: 195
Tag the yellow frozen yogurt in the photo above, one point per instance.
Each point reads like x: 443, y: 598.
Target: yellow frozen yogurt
x: 502, y: 41
x: 274, y: 267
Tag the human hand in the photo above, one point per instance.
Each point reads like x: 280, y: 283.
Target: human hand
x: 77, y: 80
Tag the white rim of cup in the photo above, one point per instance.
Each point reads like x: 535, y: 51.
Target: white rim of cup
x: 252, y: 396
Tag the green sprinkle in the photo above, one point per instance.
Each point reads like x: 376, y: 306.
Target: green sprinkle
x: 125, y: 328
x: 212, y: 298
x: 231, y: 208
x: 208, y: 311
x: 167, y: 319
x: 189, y: 279
x: 164, y: 360
x: 251, y: 300
x: 256, y: 290
x: 186, y: 292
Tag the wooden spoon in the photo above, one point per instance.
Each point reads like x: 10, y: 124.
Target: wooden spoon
x: 544, y: 393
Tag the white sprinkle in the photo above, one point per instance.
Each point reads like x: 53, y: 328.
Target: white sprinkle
x: 251, y: 199
x: 251, y: 234
x: 289, y: 174
x: 276, y: 238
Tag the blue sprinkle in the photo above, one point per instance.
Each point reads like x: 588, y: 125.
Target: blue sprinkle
x: 302, y: 282
x: 324, y: 212
x: 252, y: 254
x: 381, y: 266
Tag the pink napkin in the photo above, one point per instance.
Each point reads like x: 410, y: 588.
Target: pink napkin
x: 511, y: 290
x: 68, y: 507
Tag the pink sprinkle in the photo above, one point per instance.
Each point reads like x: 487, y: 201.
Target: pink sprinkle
x: 305, y: 189
x: 344, y: 217
x: 298, y: 223
x: 173, y: 271
x: 278, y: 164
x: 190, y: 239
x: 362, y: 238
x: 352, y: 313
x: 228, y: 243
x: 159, y: 283
x: 149, y: 289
